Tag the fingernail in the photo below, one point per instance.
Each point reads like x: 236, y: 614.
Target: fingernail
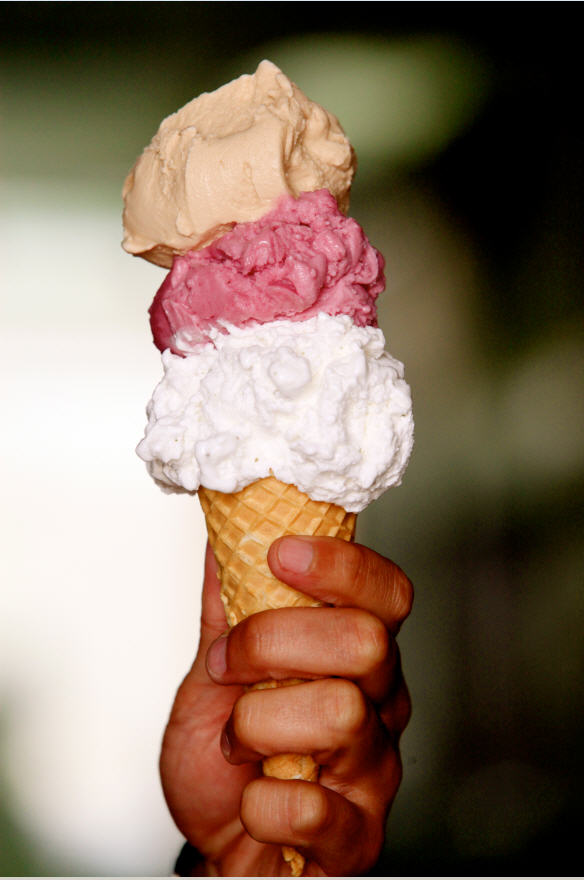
x: 217, y: 657
x: 295, y: 554
x: 225, y: 744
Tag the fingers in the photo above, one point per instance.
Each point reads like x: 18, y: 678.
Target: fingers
x: 330, y: 719
x: 342, y: 573
x: 307, y: 643
x: 327, y: 828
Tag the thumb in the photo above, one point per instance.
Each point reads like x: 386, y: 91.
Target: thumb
x: 213, y: 620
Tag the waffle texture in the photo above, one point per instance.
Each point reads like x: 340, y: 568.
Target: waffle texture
x: 241, y: 527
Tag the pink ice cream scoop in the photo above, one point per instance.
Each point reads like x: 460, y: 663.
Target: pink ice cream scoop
x: 302, y: 258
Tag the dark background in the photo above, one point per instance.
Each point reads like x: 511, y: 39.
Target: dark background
x: 488, y: 522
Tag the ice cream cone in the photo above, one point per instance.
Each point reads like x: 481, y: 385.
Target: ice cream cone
x: 241, y: 527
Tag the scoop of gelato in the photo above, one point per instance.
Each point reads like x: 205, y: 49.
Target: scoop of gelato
x: 302, y: 258
x: 225, y: 158
x: 319, y: 404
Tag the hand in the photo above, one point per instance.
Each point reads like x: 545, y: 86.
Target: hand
x: 349, y: 716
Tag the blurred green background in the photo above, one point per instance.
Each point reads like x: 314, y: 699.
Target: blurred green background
x: 466, y: 125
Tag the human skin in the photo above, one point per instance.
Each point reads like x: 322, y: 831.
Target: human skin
x: 349, y: 715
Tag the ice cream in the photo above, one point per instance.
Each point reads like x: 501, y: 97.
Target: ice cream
x: 278, y: 404
x: 225, y: 157
x: 317, y: 403
x: 302, y: 258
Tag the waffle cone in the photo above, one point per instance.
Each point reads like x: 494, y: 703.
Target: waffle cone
x: 241, y: 526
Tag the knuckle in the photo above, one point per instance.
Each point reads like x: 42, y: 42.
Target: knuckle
x: 402, y: 595
x: 241, y: 717
x: 360, y: 566
x: 255, y: 801
x: 356, y: 564
x: 255, y: 641
x: 311, y: 815
x: 347, y: 709
x: 373, y: 641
